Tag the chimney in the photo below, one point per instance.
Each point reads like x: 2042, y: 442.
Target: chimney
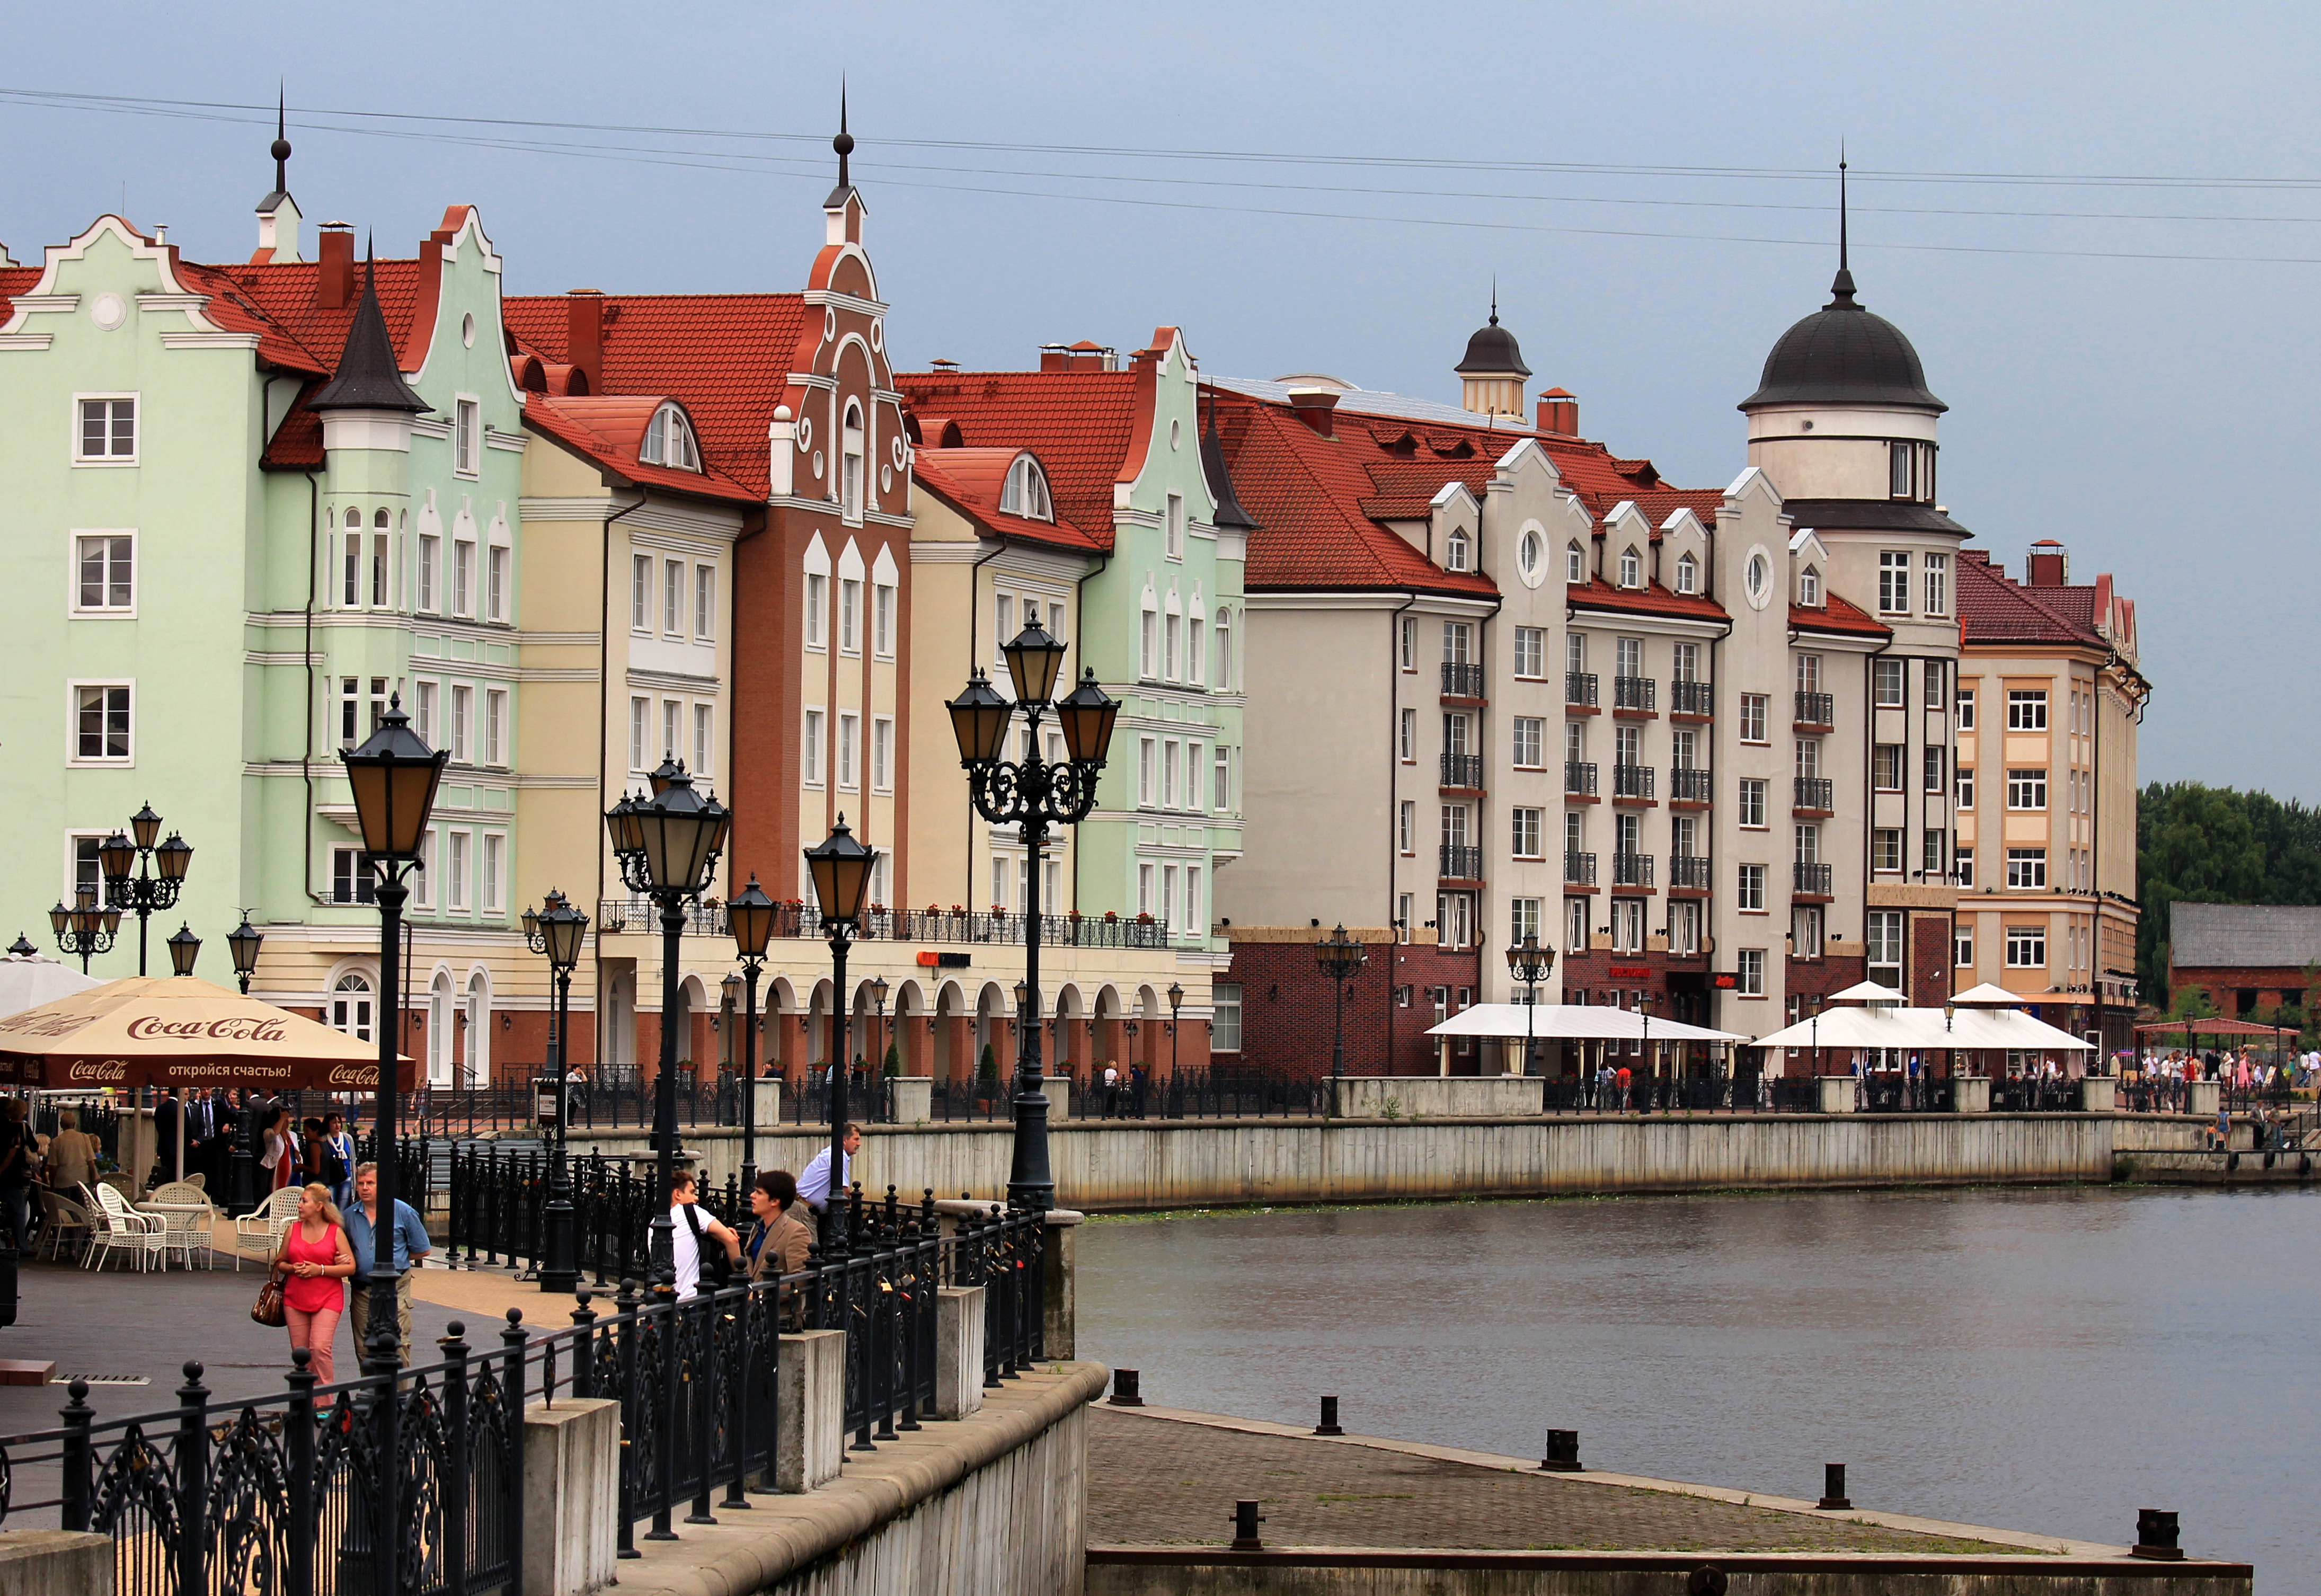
x: 334, y: 283
x: 1087, y: 355
x: 584, y: 335
x: 1053, y: 356
x: 1317, y: 407
x: 2048, y: 565
x: 1559, y: 413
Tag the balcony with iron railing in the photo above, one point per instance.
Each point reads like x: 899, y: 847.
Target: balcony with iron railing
x: 1811, y: 880
x: 1814, y: 793
x: 1632, y: 781
x: 1578, y: 868
x: 1461, y: 679
x: 1635, y: 695
x: 1460, y: 863
x: 1691, y: 697
x: 803, y: 921
x: 1632, y: 870
x: 1689, y: 786
x: 1463, y: 771
x: 1689, y: 870
x: 1815, y: 709
x: 1579, y: 777
x: 1580, y: 687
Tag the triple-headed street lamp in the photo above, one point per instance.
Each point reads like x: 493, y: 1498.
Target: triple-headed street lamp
x: 751, y: 914
x: 841, y: 868
x: 667, y: 845
x: 1529, y: 963
x: 145, y: 891
x: 560, y: 931
x: 1342, y: 957
x: 1031, y: 795
x: 84, y: 928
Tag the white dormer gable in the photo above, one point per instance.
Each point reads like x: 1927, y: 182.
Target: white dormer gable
x: 850, y: 562
x: 1684, y: 554
x: 1454, y: 518
x: 817, y: 556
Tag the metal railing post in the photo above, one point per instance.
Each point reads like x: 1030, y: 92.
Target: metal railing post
x: 457, y: 1489
x: 193, y: 1460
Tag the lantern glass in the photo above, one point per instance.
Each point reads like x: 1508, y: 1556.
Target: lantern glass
x: 681, y: 833
x: 878, y: 992
x: 667, y: 771
x: 395, y: 776
x: 979, y: 719
x: 531, y: 926
x: 1086, y: 714
x: 1175, y: 997
x: 184, y: 949
x: 730, y: 988
x: 111, y: 920
x: 751, y: 913
x: 116, y: 856
x: 144, y: 826
x: 1035, y: 656
x: 841, y: 868
x: 566, y: 930
x: 244, y: 941
x: 60, y: 918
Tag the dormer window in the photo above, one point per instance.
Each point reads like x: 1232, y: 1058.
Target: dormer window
x: 669, y: 441
x: 1688, y: 574
x: 1026, y: 492
x: 1454, y: 550
x: 1632, y: 569
x: 1575, y: 564
x: 1809, y: 588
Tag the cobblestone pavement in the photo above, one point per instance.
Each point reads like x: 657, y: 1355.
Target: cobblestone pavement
x: 1156, y: 1482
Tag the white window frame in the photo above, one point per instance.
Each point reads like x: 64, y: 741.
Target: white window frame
x: 423, y: 707
x: 467, y: 436
x: 136, y: 429
x: 1749, y: 973
x: 495, y: 726
x: 1880, y: 853
x: 74, y: 687
x: 882, y: 753
x: 463, y: 578
x: 705, y: 738
x: 1961, y: 945
x: 102, y: 611
x: 1752, y: 718
x: 1408, y: 735
x: 2026, y: 709
x: 640, y: 734
x: 1527, y: 744
x: 850, y: 737
x: 2026, y: 947
x: 1530, y: 653
x: 1937, y: 584
x: 813, y: 724
x: 1527, y: 830
x: 430, y: 574
x: 704, y: 602
x: 1224, y: 787
x: 883, y: 610
x: 1893, y: 581
x: 496, y: 564
x: 817, y: 608
x: 1172, y: 517
x: 1963, y: 865
x: 1883, y: 672
x: 1148, y: 770
x: 462, y: 704
x: 850, y: 616
x: 491, y: 868
x: 2026, y: 790
x: 1409, y: 643
x: 1751, y: 803
x: 1749, y: 889
x: 2026, y: 870
x: 455, y: 871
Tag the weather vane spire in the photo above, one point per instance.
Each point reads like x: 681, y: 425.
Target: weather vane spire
x: 1841, y: 288
x: 844, y: 143
x: 281, y: 148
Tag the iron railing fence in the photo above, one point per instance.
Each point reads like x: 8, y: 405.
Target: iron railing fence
x: 1689, y: 784
x: 1692, y: 698
x: 1813, y: 792
x: 1460, y: 863
x: 803, y: 922
x: 1689, y: 870
x: 1578, y: 868
x: 1461, y: 679
x: 1632, y: 781
x: 1810, y: 877
x: 2033, y: 1094
x: 1580, y: 687
x: 1202, y: 1094
x: 1640, y: 693
x: 1742, y: 1094
x: 1815, y: 709
x: 1463, y: 771
x: 1890, y: 1093
x: 1579, y: 777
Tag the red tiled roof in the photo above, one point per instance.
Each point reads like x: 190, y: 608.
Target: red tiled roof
x: 1080, y: 423
x: 970, y: 479
x: 1993, y: 609
x: 726, y: 358
x: 611, y: 430
x: 1655, y: 600
x: 1838, y: 616
x: 277, y: 304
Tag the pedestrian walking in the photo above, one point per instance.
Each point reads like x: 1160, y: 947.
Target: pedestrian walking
x: 410, y: 1245
x: 315, y: 1261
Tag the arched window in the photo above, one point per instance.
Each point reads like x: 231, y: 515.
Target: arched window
x: 1688, y: 574
x: 669, y: 441
x: 379, y: 522
x: 352, y: 560
x: 849, y: 446
x: 1575, y: 565
x: 1632, y: 569
x: 350, y: 1005
x: 1454, y: 550
x: 478, y: 1070
x: 439, y: 1029
x: 1809, y: 588
x: 1026, y: 492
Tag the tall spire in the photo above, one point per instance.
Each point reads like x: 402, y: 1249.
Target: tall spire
x: 844, y: 144
x: 1841, y: 288
x: 369, y: 376
x: 1495, y: 299
x: 281, y: 141
x: 1229, y: 515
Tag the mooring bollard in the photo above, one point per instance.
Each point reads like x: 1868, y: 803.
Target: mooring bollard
x: 1246, y: 1518
x: 1707, y: 1580
x: 1329, y: 1425
x: 1832, y: 1489
x: 1124, y: 1389
x: 1563, y: 1452
x: 2155, y: 1535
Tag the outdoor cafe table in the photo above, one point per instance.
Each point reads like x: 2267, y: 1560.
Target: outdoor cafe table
x: 180, y: 1232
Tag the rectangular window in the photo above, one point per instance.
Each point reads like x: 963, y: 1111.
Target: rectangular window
x: 1808, y: 842
x: 495, y: 727
x: 1528, y: 743
x: 705, y: 602
x: 107, y: 569
x: 461, y: 700
x: 422, y: 711
x: 810, y: 764
x: 423, y: 887
x: 108, y: 431
x: 639, y: 731
x: 1225, y: 778
x: 2027, y: 789
x: 1808, y: 757
x: 430, y: 555
x: 1523, y: 918
x: 101, y: 722
x: 495, y: 849
x: 1963, y: 862
x: 1962, y: 944
x: 1458, y: 643
x: 672, y: 738
x: 1752, y: 718
x: 1897, y: 469
x: 1750, y: 891
x: 1935, y: 770
x: 2027, y: 869
x: 882, y: 620
x: 1938, y: 585
x: 1148, y: 646
x: 1575, y: 925
x: 1169, y: 653
x: 378, y: 566
x: 850, y: 610
x: 350, y: 875
x: 1409, y: 736
x: 1193, y: 924
x: 1168, y: 891
x: 1684, y: 928
x: 1143, y: 888
x: 1882, y: 936
x: 1454, y: 826
x: 1886, y: 767
x: 1749, y: 972
x: 1886, y: 849
x: 467, y: 436
x: 1894, y: 582
x: 1526, y: 828
x: 1966, y: 709
x: 463, y: 578
x: 2027, y: 711
x: 848, y: 726
x: 455, y: 871
x: 1628, y: 656
x: 1531, y: 651
x: 1174, y: 527
x: 1930, y: 859
x: 1937, y: 675
x: 1805, y: 930
x: 1169, y: 754
x: 1687, y: 663
x: 1148, y: 760
x: 704, y: 728
x: 672, y: 597
x: 496, y: 573
x: 818, y: 604
x: 351, y: 730
x: 882, y: 755
x: 1809, y: 673
x: 351, y: 568
x: 1965, y: 789
x: 1410, y: 642
x: 1889, y: 689
x: 1752, y: 801
x: 1407, y: 826
x: 2026, y: 947
x: 1224, y: 1026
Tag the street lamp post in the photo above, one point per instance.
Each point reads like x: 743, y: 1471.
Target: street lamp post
x: 667, y: 845
x: 1176, y: 1001
x: 244, y: 941
x: 878, y: 990
x: 394, y: 776
x: 84, y: 928
x: 1529, y: 963
x: 560, y: 931
x: 841, y: 867
x: 1034, y: 796
x: 1341, y: 958
x: 145, y: 891
x: 751, y: 914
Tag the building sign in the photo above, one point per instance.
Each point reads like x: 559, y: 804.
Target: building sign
x: 929, y: 959
x: 1724, y: 982
x: 1632, y: 973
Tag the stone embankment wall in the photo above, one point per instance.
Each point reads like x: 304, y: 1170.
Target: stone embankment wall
x: 1142, y: 1165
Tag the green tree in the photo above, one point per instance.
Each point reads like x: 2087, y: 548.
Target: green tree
x: 2195, y: 844
x: 986, y: 1068
x: 894, y: 1057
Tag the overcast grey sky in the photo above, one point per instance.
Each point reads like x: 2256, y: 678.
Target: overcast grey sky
x: 2133, y: 406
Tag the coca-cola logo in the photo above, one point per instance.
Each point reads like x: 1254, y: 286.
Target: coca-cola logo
x: 346, y: 1075
x: 97, y: 1072
x: 148, y: 1027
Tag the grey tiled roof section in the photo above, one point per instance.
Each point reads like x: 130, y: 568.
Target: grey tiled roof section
x: 2205, y: 934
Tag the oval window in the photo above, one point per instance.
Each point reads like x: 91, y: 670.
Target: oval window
x: 1758, y: 577
x: 1528, y: 554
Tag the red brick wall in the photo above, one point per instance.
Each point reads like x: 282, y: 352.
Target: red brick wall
x: 1929, y: 960
x: 2274, y: 984
x: 1287, y: 1019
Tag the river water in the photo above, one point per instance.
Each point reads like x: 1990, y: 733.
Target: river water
x: 2047, y: 1361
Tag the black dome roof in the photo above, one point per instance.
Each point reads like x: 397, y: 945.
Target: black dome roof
x: 1843, y: 355
x: 1492, y: 352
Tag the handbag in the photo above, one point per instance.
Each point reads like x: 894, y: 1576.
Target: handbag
x: 267, y: 1309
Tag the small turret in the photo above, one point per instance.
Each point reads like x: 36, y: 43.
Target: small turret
x: 278, y: 212
x: 1491, y: 377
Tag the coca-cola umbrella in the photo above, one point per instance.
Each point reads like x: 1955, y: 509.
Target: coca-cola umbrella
x: 180, y: 1031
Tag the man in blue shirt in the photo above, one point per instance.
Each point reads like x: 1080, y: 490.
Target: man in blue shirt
x: 411, y: 1245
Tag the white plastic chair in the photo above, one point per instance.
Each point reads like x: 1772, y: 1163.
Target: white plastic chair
x: 62, y: 1219
x: 122, y: 1229
x: 187, y: 1233
x: 258, y: 1233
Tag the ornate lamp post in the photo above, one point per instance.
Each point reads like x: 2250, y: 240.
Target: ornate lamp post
x: 244, y: 940
x: 84, y: 929
x: 184, y: 949
x: 751, y: 913
x: 1176, y: 1001
x: 667, y: 846
x: 1341, y: 958
x: 560, y: 931
x: 1529, y: 963
x: 878, y: 990
x: 1034, y: 796
x: 395, y: 777
x: 145, y: 891
x: 841, y: 868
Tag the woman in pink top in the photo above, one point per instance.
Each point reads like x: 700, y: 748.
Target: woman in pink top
x: 317, y: 1260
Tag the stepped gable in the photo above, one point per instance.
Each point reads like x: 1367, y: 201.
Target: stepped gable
x: 1079, y: 423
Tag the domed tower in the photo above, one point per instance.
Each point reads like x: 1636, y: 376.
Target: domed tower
x: 1491, y: 377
